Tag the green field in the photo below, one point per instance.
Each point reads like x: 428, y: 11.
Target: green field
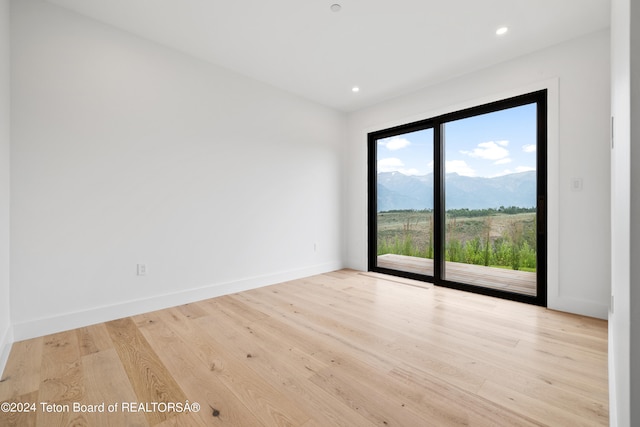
x: 491, y: 238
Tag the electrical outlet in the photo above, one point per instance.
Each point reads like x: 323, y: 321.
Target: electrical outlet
x: 576, y: 184
x: 142, y: 269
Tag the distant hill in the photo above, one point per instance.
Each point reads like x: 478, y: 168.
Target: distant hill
x: 399, y: 191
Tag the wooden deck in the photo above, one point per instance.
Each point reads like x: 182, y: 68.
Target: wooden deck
x: 522, y: 282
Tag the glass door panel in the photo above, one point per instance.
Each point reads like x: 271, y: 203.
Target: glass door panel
x: 404, y: 205
x: 459, y: 199
x: 490, y: 199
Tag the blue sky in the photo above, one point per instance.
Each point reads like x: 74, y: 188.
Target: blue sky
x: 488, y: 145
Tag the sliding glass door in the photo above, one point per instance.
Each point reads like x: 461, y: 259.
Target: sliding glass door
x: 490, y: 199
x: 404, y: 206
x: 459, y: 199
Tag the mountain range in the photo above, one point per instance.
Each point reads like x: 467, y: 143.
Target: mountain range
x: 399, y: 191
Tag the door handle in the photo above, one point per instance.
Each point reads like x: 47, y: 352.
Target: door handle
x: 542, y: 215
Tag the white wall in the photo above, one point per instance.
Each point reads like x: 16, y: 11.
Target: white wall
x: 5, y: 325
x: 624, y: 318
x: 634, y: 290
x: 127, y: 152
x: 577, y: 75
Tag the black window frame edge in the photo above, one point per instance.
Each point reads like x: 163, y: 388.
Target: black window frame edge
x: 539, y: 98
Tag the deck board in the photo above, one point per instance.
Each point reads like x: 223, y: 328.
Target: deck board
x: 521, y: 282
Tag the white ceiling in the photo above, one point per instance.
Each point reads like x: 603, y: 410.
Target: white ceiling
x: 387, y: 48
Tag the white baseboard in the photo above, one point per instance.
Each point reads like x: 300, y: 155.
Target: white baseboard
x: 576, y: 306
x: 64, y: 322
x: 6, y: 341
x: 357, y: 264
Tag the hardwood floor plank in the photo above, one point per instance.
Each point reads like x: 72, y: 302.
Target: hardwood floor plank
x: 378, y: 408
x: 22, y: 372
x: 458, y: 406
x: 288, y: 368
x: 106, y: 382
x: 191, y: 311
x: 197, y: 370
x: 61, y: 381
x: 93, y: 339
x: 545, y: 413
x: 265, y: 400
x: 151, y: 381
x: 344, y: 348
x: 381, y: 349
x: 233, y: 307
x: 270, y: 341
x: 21, y: 418
x: 186, y: 420
x: 228, y: 364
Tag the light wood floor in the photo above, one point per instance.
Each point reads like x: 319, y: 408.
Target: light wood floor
x: 521, y: 282
x: 343, y: 348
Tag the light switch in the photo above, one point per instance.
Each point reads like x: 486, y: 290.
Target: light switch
x: 576, y: 184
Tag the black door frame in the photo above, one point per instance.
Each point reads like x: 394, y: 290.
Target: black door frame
x: 437, y: 123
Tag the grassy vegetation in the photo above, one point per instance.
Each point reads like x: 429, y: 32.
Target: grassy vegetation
x: 504, y: 237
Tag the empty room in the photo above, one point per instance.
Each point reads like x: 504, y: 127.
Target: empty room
x: 319, y: 213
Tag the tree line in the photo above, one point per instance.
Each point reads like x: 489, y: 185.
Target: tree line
x: 470, y: 213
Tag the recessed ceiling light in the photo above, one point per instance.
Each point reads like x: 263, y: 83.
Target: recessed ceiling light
x: 335, y: 7
x: 502, y: 30
x: 355, y: 89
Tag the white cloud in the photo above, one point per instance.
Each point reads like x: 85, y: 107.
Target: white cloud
x: 395, y: 143
x: 489, y: 150
x: 460, y: 167
x: 517, y: 170
x: 529, y: 148
x: 393, y: 164
x: 502, y: 161
x: 390, y: 164
x: 410, y: 172
x: 524, y: 169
